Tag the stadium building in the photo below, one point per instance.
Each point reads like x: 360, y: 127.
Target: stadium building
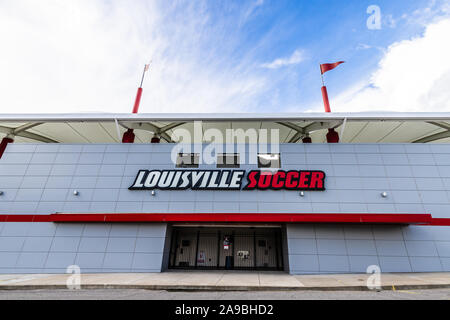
x: 327, y: 193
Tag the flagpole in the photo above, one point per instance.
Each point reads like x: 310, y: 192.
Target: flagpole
x: 143, y: 75
x: 137, y: 101
x: 326, y: 102
x: 128, y: 136
x: 321, y: 75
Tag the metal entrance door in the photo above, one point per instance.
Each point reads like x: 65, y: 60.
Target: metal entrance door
x: 226, y: 248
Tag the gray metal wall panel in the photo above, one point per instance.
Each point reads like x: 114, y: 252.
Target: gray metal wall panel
x: 41, y: 178
x: 50, y: 248
x: 356, y: 175
x: 329, y: 248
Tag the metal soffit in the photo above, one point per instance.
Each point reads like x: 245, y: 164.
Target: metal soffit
x: 108, y: 128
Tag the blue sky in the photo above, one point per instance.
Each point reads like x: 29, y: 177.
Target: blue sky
x: 222, y: 56
x: 324, y: 31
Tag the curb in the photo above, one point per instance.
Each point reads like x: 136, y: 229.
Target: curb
x: 223, y: 288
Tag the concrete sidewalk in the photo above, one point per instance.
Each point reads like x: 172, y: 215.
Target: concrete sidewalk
x: 226, y: 281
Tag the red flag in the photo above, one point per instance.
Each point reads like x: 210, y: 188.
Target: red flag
x: 329, y: 66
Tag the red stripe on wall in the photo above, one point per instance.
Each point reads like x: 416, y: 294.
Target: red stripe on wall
x: 26, y: 218
x: 247, y: 217
x: 440, y: 222
x: 386, y: 218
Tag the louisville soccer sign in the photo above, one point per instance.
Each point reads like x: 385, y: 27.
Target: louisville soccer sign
x: 228, y: 180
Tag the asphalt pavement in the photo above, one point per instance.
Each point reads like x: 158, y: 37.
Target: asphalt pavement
x: 141, y: 294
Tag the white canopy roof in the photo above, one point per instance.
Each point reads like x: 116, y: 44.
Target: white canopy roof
x: 108, y: 128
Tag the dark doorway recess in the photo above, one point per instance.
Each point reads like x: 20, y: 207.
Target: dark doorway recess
x: 226, y: 248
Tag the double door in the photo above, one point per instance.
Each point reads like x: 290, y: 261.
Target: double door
x: 226, y: 248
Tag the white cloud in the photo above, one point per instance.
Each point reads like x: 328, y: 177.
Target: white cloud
x: 424, y: 16
x: 413, y: 75
x: 251, y: 10
x: 295, y: 58
x: 363, y: 46
x: 72, y: 56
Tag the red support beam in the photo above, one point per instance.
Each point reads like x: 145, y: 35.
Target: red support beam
x: 128, y: 136
x: 332, y: 136
x: 4, y: 144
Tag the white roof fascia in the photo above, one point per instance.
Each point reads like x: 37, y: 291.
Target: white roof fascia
x: 96, y: 117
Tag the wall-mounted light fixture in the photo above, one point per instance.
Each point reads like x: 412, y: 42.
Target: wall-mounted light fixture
x: 75, y: 192
x: 153, y: 192
x: 302, y: 193
x: 384, y: 194
x: 1, y: 193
